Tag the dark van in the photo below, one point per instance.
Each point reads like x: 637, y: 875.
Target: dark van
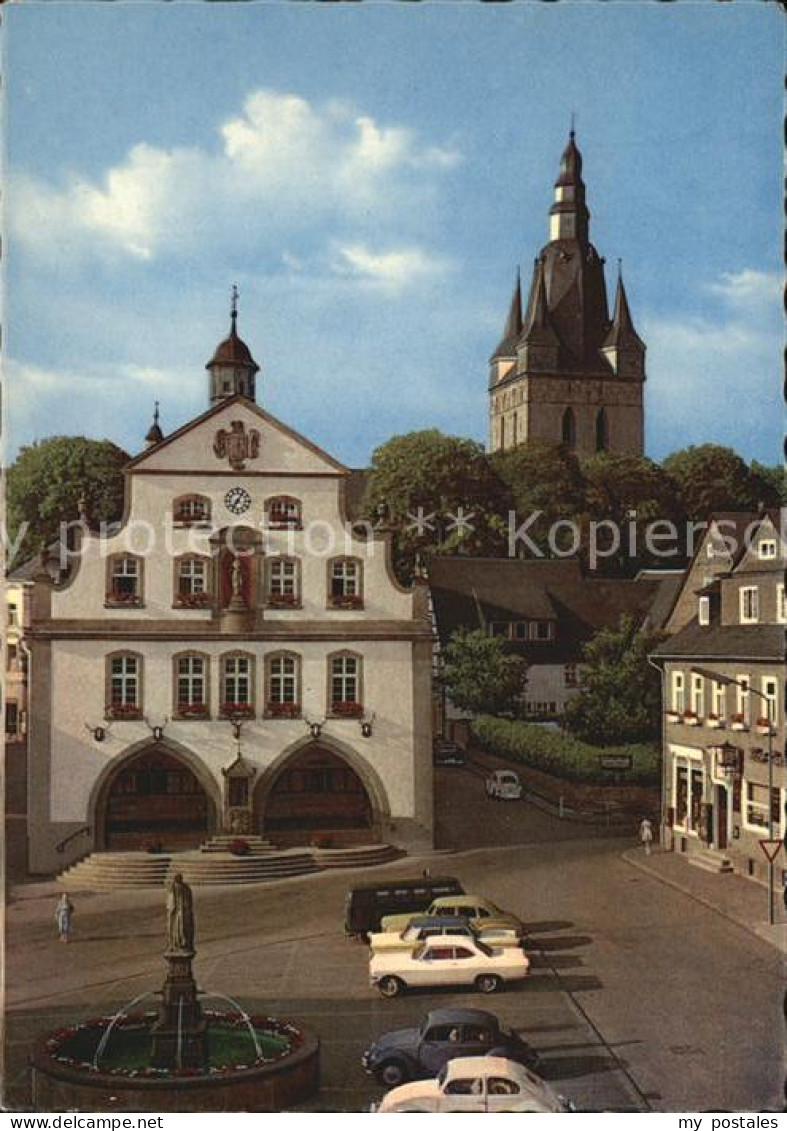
x: 365, y: 906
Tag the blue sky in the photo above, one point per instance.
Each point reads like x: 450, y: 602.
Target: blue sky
x: 370, y: 175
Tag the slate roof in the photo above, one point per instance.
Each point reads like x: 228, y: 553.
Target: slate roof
x: 725, y: 642
x: 472, y: 592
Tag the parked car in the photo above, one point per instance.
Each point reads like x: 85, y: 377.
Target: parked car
x: 444, y: 1034
x: 421, y: 927
x: 366, y: 905
x: 482, y: 913
x: 477, y: 1084
x: 504, y: 785
x: 447, y: 961
x: 448, y: 753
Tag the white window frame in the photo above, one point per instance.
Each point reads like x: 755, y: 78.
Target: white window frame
x: 719, y: 699
x: 678, y: 693
x: 192, y: 576
x: 282, y: 679
x: 237, y: 672
x: 769, y: 685
x: 763, y: 807
x: 345, y: 678
x: 703, y: 611
x: 781, y: 603
x: 743, y: 704
x: 125, y: 678
x: 766, y: 549
x: 192, y: 677
x: 749, y: 594
x: 698, y: 695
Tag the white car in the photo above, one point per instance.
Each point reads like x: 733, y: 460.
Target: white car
x: 445, y: 960
x: 477, y: 1084
x: 504, y: 785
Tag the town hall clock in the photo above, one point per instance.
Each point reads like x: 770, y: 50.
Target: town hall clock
x: 237, y: 500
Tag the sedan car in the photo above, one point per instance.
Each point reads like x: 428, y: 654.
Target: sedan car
x: 422, y: 927
x: 448, y: 754
x: 477, y: 1084
x: 482, y: 913
x: 444, y: 1034
x: 446, y: 961
x: 504, y: 785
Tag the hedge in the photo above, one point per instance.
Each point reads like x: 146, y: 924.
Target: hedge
x: 558, y: 753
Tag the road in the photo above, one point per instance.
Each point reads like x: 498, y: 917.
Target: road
x: 639, y: 999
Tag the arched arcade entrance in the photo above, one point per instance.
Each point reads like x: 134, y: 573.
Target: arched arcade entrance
x: 315, y: 797
x: 154, y: 797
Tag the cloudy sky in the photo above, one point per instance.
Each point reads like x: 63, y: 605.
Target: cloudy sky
x: 370, y: 176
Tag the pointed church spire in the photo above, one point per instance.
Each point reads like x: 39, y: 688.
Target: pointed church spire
x: 569, y: 216
x: 154, y: 433
x: 507, y: 345
x: 622, y: 331
x: 538, y: 324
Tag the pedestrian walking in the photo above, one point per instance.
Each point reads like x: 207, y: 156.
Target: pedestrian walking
x: 646, y: 835
x: 63, y: 915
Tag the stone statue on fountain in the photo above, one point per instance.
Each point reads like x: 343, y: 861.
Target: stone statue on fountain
x: 180, y: 917
x: 179, y: 1032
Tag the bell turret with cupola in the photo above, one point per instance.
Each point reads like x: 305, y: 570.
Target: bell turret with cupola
x: 232, y: 370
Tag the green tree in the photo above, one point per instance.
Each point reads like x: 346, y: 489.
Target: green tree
x: 481, y: 674
x: 771, y: 483
x: 632, y: 492
x: 546, y: 478
x: 441, y: 480
x: 620, y: 700
x: 46, y: 482
x: 713, y: 478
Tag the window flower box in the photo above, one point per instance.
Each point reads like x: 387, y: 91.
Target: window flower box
x: 124, y: 599
x: 347, y: 709
x: 244, y: 709
x: 673, y: 716
x: 191, y: 516
x: 690, y: 719
x: 283, y: 600
x: 283, y: 710
x: 738, y: 722
x: 192, y: 710
x: 714, y: 722
x: 346, y: 601
x: 192, y: 600
x: 284, y: 522
x: 124, y: 711
x: 764, y: 726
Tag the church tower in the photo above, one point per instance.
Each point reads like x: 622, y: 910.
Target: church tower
x: 232, y: 370
x: 565, y: 371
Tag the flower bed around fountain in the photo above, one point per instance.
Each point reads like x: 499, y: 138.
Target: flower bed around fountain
x: 236, y: 1078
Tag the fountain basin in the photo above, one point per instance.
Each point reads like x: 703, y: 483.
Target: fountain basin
x: 235, y: 1078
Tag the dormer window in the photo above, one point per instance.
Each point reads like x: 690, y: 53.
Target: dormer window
x: 344, y: 581
x: 703, y: 611
x: 766, y: 549
x: 284, y: 513
x: 541, y: 630
x: 124, y: 581
x: 191, y: 509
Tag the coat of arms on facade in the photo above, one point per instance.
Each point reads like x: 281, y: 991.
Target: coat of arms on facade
x: 237, y: 445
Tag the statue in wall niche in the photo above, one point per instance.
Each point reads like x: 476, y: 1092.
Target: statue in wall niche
x: 180, y: 916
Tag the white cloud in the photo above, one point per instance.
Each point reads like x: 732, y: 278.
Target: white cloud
x: 282, y: 165
x: 717, y: 377
x: 391, y: 269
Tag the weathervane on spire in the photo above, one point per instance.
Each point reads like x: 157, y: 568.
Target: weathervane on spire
x: 234, y: 306
x: 572, y: 131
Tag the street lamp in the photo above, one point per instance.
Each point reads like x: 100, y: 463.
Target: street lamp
x: 745, y: 685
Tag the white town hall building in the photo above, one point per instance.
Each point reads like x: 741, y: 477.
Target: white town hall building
x: 235, y: 656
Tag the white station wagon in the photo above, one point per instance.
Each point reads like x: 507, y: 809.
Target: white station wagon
x: 504, y: 785
x: 447, y: 960
x: 477, y: 1084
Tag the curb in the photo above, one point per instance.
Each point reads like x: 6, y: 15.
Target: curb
x: 761, y: 930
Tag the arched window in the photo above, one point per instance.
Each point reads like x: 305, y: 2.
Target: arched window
x: 124, y: 685
x: 191, y: 682
x: 345, y: 583
x: 237, y: 684
x: 502, y: 433
x: 283, y: 583
x: 124, y: 581
x: 345, y: 689
x: 189, y: 510
x: 602, y: 431
x: 283, y: 513
x: 192, y: 581
x: 569, y: 429
x: 282, y: 685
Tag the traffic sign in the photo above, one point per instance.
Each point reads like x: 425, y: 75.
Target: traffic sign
x: 771, y: 849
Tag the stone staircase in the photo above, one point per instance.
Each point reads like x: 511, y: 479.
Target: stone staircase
x: 710, y: 861
x: 213, y: 864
